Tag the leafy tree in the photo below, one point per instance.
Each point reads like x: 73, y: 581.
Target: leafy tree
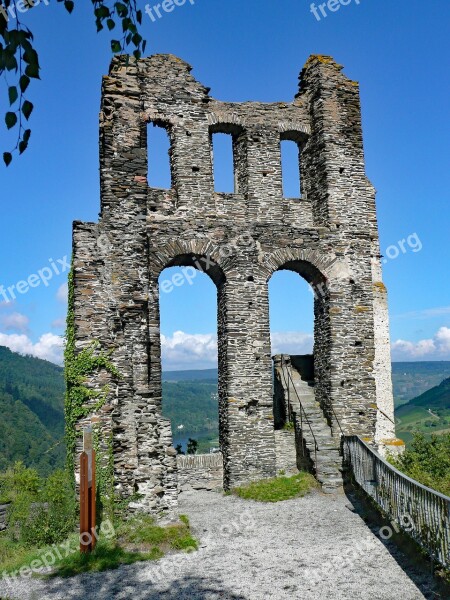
x: 179, y: 449
x: 32, y: 405
x: 192, y: 446
x: 42, y: 511
x: 428, y: 461
x: 17, y: 480
x: 19, y: 59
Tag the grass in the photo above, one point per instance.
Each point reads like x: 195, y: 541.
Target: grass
x: 138, y: 539
x: 277, y: 489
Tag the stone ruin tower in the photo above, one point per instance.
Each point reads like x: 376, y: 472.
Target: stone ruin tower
x: 328, y: 236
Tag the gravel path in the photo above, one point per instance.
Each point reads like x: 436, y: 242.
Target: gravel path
x: 310, y: 548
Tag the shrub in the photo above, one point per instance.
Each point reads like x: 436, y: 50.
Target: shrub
x: 277, y: 489
x: 17, y: 481
x: 427, y: 461
x: 41, y: 511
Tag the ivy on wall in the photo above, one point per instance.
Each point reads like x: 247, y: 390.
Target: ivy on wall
x: 78, y: 367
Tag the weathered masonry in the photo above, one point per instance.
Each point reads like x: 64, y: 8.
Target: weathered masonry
x: 328, y: 235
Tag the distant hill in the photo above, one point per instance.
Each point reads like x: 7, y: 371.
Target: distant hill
x: 32, y: 406
x: 32, y: 409
x: 192, y: 407
x: 411, y: 379
x: 428, y: 413
x: 210, y: 375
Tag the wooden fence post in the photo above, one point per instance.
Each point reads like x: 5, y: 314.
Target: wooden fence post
x: 87, y: 494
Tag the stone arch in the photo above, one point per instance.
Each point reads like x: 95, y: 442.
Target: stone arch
x: 316, y: 267
x: 203, y: 256
x: 192, y: 252
x: 316, y: 270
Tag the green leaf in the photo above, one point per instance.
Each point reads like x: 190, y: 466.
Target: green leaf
x: 12, y: 94
x: 7, y: 158
x: 102, y: 12
x: 111, y: 24
x: 122, y: 9
x: 10, y: 61
x: 32, y: 71
x: 69, y: 5
x: 115, y: 46
x: 24, y: 82
x: 10, y: 119
x: 30, y: 56
x: 26, y: 135
x: 27, y: 109
x: 23, y: 145
x: 137, y: 39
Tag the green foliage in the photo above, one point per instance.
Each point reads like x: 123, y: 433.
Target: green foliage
x: 134, y: 540
x: 179, y: 449
x: 192, y: 446
x: 78, y: 367
x: 32, y: 402
x: 428, y: 413
x: 18, y: 480
x: 19, y: 58
x: 192, y: 404
x: 289, y: 426
x: 41, y: 511
x: 277, y: 489
x: 428, y: 462
x: 107, y: 504
x: 142, y: 531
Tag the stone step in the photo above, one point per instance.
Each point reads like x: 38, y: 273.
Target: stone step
x: 326, y: 458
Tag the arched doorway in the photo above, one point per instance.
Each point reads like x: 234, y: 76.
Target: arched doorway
x: 188, y: 321
x: 185, y: 303
x: 303, y: 412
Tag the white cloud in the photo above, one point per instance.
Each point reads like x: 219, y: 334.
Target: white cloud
x: 443, y: 340
x: 189, y: 351
x: 436, y: 348
x: 199, y: 351
x: 292, y: 342
x: 62, y: 293
x: 49, y: 347
x: 14, y: 322
x: 59, y: 323
x: 428, y: 313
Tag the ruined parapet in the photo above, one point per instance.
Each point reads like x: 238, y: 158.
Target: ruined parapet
x: 200, y: 472
x: 326, y: 235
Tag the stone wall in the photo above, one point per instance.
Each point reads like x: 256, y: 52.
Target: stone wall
x: 200, y: 472
x: 286, y: 452
x: 3, y: 514
x: 326, y: 236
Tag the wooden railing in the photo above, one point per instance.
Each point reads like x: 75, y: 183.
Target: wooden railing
x: 421, y: 512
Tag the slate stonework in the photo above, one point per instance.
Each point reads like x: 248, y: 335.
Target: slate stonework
x: 329, y: 236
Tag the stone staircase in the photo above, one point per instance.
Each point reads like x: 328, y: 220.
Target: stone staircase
x: 323, y: 448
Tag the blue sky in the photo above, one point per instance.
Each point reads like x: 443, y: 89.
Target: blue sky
x: 398, y: 51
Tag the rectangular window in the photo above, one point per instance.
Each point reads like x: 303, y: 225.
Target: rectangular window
x: 158, y: 149
x: 223, y: 163
x: 290, y: 167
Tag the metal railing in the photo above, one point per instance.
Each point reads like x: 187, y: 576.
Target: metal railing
x: 419, y: 511
x: 293, y: 415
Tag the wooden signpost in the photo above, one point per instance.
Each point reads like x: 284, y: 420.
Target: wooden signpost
x: 87, y: 494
